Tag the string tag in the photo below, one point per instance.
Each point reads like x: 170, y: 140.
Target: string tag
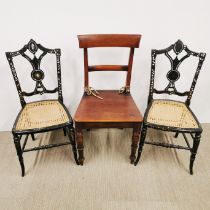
x: 124, y: 89
x: 91, y: 91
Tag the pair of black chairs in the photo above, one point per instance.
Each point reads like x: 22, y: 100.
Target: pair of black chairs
x: 48, y: 115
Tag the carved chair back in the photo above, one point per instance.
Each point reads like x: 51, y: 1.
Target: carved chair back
x: 173, y: 74
x: 37, y: 74
x: 109, y: 40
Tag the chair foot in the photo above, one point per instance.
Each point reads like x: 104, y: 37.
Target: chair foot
x: 64, y: 132
x: 33, y: 137
x: 196, y: 142
x: 191, y: 169
x: 132, y: 160
x: 176, y: 134
x: 81, y: 161
x: 19, y: 153
x: 141, y: 143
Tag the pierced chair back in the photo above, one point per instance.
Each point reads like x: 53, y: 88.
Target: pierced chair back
x: 173, y: 74
x: 172, y: 115
x: 109, y: 40
x: 39, y: 116
x: 37, y: 74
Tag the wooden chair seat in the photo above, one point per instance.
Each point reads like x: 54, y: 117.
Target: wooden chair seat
x: 114, y: 107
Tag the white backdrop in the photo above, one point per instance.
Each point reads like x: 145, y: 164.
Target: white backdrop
x: 55, y: 24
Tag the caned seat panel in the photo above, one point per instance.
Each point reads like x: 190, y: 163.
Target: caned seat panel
x: 41, y: 114
x: 171, y: 113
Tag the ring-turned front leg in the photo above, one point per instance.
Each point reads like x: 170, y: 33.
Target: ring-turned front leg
x: 196, y: 142
x: 80, y: 146
x: 141, y: 143
x: 71, y: 136
x: 134, y: 144
x: 19, y: 152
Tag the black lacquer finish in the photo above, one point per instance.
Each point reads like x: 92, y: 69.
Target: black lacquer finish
x: 173, y: 75
x: 37, y: 74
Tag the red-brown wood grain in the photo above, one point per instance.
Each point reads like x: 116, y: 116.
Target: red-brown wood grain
x: 108, y: 68
x: 114, y: 107
x: 109, y: 40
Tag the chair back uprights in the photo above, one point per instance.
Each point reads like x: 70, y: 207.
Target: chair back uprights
x: 173, y: 74
x: 37, y: 74
x: 108, y: 40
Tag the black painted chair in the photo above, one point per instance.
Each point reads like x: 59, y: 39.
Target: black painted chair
x: 39, y: 116
x: 172, y: 115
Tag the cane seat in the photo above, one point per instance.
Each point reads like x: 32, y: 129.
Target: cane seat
x: 41, y: 114
x: 171, y: 113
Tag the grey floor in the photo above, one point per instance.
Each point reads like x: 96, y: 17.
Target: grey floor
x: 107, y: 180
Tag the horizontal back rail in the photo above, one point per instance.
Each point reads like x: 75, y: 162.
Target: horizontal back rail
x: 109, y: 40
x: 186, y: 93
x: 108, y: 68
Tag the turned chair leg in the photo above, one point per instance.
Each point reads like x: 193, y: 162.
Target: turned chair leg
x: 196, y: 142
x: 19, y: 152
x: 80, y: 146
x: 71, y: 136
x: 141, y: 143
x: 134, y: 144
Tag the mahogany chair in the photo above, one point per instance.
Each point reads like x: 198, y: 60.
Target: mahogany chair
x: 115, y: 110
x: 39, y: 116
x: 172, y: 115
